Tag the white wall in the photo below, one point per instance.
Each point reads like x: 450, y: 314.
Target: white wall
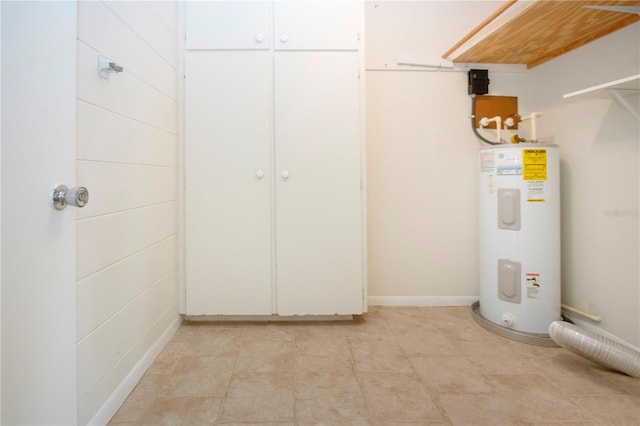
x: 127, y: 158
x: 422, y: 154
x: 600, y: 162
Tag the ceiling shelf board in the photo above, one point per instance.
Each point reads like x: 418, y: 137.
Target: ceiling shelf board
x: 532, y: 33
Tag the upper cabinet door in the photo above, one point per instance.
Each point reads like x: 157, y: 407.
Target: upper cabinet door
x: 228, y: 25
x: 317, y: 25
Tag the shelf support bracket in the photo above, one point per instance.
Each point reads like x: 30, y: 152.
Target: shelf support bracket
x: 626, y: 105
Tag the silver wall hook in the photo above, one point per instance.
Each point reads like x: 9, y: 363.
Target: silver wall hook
x: 107, y: 66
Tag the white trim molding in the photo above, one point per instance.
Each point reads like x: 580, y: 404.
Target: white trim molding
x: 421, y: 300
x: 119, y: 396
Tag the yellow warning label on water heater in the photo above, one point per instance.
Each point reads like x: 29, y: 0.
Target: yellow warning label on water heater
x: 534, y: 164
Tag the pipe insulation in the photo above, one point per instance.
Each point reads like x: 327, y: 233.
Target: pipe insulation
x: 596, y: 348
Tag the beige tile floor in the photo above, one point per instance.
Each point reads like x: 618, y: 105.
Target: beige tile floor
x: 391, y: 366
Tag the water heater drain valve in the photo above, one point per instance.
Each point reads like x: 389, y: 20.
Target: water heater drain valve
x: 508, y: 320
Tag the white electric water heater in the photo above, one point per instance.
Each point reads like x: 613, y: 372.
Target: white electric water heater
x: 519, y: 239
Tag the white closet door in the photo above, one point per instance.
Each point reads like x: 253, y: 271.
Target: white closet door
x: 228, y: 25
x: 317, y: 25
x: 318, y: 194
x: 228, y: 179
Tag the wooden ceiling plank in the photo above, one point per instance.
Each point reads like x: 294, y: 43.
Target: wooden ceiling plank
x: 546, y: 30
x: 479, y: 27
x: 583, y: 41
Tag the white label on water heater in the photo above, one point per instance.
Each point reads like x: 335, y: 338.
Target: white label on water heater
x: 533, y: 285
x: 491, y: 183
x: 487, y: 162
x: 508, y: 163
x: 535, y: 191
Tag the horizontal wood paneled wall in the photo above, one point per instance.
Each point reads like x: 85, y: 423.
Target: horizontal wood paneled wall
x: 127, y: 156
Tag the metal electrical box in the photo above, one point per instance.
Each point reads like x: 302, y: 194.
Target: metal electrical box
x: 478, y: 82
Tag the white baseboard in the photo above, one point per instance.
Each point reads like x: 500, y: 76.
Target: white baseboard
x: 421, y: 300
x: 117, y: 398
x: 269, y: 318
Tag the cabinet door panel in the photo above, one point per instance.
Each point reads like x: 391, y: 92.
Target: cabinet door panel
x: 318, y: 206
x: 228, y: 207
x: 317, y: 25
x: 228, y: 25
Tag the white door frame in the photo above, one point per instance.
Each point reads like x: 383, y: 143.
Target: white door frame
x: 0, y: 212
x: 38, y: 242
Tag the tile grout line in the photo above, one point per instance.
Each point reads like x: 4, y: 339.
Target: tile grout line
x: 231, y: 378
x: 295, y: 380
x: 359, y: 380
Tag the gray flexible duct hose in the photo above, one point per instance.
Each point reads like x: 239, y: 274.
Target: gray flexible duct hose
x: 596, y: 348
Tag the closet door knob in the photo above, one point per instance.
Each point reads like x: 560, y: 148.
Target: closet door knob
x: 285, y: 174
x: 259, y: 173
x: 284, y: 38
x: 259, y: 38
